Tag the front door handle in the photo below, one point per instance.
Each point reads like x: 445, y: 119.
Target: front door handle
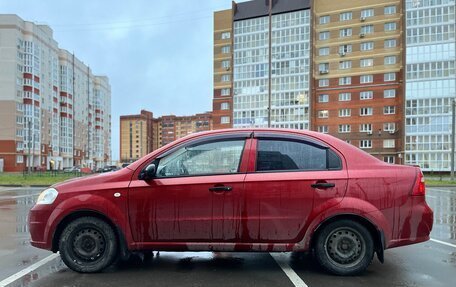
x: 323, y: 185
x: 220, y: 188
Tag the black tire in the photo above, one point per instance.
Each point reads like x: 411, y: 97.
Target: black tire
x: 344, y: 247
x: 88, y: 245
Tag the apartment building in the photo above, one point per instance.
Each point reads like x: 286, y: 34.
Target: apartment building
x: 141, y: 134
x: 47, y: 102
x: 430, y: 82
x: 222, y: 104
x: 358, y: 74
x: 136, y: 136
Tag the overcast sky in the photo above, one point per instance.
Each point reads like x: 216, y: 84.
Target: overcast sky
x: 157, y: 54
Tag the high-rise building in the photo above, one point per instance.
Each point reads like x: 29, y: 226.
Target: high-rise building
x: 256, y: 88
x: 141, y: 134
x: 430, y: 82
x: 136, y: 136
x: 48, y: 102
x: 358, y: 74
x: 223, y: 73
x: 334, y: 67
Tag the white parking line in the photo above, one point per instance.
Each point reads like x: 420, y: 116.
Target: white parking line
x: 443, y: 242
x: 441, y: 190
x: 281, y: 260
x: 27, y: 270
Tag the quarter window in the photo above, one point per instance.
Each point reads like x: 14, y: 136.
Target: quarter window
x: 204, y: 159
x: 293, y: 155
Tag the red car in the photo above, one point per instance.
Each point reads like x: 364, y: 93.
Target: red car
x: 239, y: 190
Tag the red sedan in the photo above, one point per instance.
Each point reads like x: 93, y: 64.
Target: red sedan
x: 239, y: 190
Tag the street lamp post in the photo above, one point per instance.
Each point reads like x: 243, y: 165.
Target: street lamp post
x: 453, y: 123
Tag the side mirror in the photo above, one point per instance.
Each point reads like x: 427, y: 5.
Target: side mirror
x: 148, y: 173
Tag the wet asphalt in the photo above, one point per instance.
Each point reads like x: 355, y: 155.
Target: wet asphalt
x: 426, y: 264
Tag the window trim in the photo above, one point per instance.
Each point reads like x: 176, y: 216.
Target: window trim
x: 300, y: 139
x: 222, y: 138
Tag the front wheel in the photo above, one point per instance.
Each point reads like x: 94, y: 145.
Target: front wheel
x: 88, y: 245
x: 344, y: 247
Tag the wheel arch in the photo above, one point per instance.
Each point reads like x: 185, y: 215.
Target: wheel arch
x: 89, y: 213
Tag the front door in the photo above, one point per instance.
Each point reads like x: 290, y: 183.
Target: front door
x: 184, y: 202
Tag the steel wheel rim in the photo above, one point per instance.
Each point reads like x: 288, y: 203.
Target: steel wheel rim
x: 88, y: 245
x: 345, y: 247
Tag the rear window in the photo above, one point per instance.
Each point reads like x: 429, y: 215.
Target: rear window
x: 294, y: 155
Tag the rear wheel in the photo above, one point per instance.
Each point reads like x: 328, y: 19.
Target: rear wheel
x: 88, y: 245
x: 344, y: 247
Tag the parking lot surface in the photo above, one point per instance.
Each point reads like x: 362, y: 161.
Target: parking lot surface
x: 431, y: 263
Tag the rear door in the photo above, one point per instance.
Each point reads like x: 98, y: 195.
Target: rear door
x: 292, y: 173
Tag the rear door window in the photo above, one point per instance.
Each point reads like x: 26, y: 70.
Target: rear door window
x: 282, y: 155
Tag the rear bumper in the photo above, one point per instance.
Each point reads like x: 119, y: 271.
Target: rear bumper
x: 416, y: 223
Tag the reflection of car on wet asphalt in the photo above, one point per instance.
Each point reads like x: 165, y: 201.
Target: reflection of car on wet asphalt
x: 239, y: 190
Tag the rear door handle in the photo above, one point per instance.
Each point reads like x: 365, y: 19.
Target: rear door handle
x: 323, y: 185
x: 220, y: 188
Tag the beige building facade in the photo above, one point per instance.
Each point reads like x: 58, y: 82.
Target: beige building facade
x: 47, y: 102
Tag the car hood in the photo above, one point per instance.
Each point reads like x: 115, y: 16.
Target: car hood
x: 96, y: 182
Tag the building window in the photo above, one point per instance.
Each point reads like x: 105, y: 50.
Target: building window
x: 390, y: 143
x: 323, y: 98
x: 226, y: 78
x: 323, y: 51
x: 389, y: 110
x: 366, y: 46
x: 364, y: 79
x: 344, y: 81
x: 389, y: 127
x: 389, y: 159
x: 344, y: 113
x: 19, y: 158
x: 365, y: 144
x: 390, y: 43
x: 343, y: 65
x: 365, y: 112
x: 389, y: 93
x: 323, y: 129
x: 345, y: 16
x: 344, y: 97
x: 345, y: 49
x: 344, y: 129
x: 367, y: 29
x: 366, y: 95
x: 346, y: 32
x: 225, y: 120
x: 225, y: 92
x: 323, y: 68
x: 226, y: 64
x: 226, y: 35
x: 363, y: 63
x: 388, y: 77
x: 390, y: 26
x: 323, y: 82
x: 225, y: 106
x: 323, y: 35
x: 324, y: 19
x: 365, y: 128
x: 323, y: 114
x: 226, y: 49
x: 366, y: 13
x: 388, y: 10
x: 390, y: 60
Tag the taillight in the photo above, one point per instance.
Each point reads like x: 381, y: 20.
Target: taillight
x: 420, y: 186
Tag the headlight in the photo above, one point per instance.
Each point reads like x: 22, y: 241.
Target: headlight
x: 48, y: 196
